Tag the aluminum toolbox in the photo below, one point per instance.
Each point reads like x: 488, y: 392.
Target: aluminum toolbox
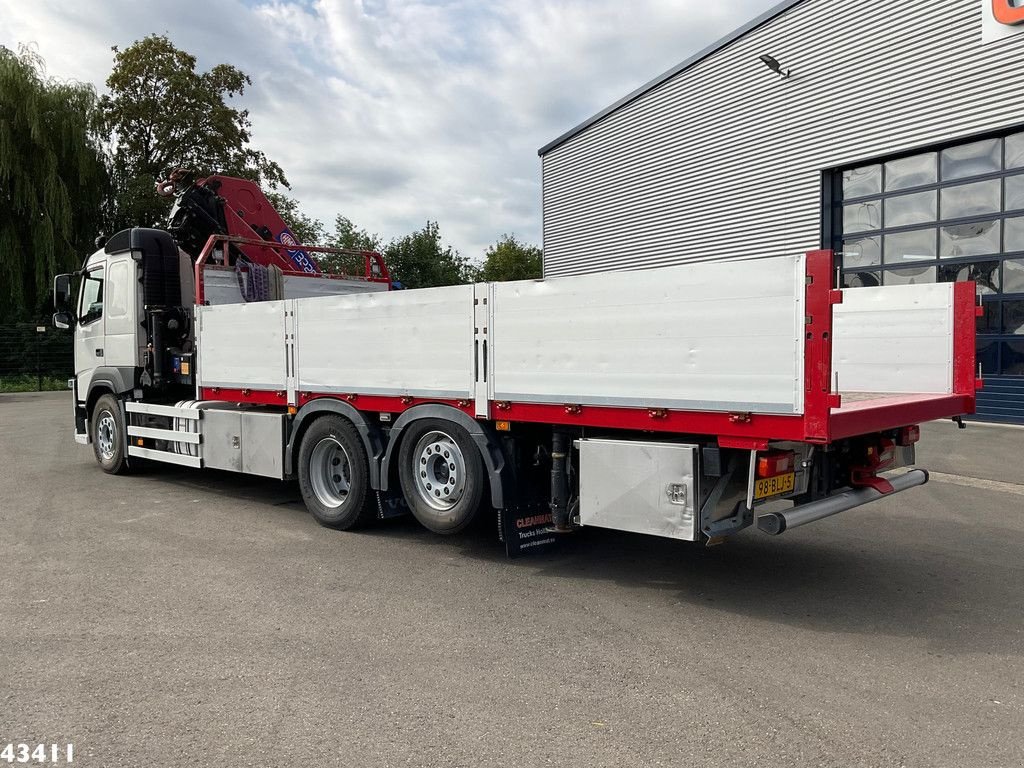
x: 644, y: 487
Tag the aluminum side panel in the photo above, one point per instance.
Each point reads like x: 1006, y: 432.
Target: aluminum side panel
x: 714, y: 336
x: 400, y: 342
x: 894, y: 339
x: 220, y: 286
x: 243, y: 345
x: 308, y: 287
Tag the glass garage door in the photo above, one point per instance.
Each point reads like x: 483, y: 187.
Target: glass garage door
x: 956, y: 213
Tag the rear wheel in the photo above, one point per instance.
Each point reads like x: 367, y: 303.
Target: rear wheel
x: 108, y: 435
x: 442, y: 475
x: 334, y: 475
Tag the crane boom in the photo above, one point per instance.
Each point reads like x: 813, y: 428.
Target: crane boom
x: 227, y: 205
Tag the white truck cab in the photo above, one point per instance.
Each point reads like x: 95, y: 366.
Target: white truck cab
x: 110, y: 321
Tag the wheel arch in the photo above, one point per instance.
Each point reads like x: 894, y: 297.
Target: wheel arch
x: 108, y: 380
x: 96, y: 391
x: 371, y: 435
x: 484, y: 437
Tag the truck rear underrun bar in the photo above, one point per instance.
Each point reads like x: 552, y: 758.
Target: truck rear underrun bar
x: 776, y: 523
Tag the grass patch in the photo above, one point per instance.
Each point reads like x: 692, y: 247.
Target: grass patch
x: 29, y: 382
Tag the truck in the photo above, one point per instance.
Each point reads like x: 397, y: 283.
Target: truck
x: 688, y: 402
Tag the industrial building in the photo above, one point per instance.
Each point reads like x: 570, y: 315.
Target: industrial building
x: 891, y: 132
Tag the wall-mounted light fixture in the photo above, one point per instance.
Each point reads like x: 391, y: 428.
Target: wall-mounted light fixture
x: 773, y: 64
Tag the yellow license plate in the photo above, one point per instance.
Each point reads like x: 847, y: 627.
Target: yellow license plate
x: 773, y: 486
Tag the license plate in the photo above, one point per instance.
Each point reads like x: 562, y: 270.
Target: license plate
x: 773, y: 486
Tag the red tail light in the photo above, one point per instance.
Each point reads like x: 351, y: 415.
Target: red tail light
x: 909, y: 436
x: 775, y: 463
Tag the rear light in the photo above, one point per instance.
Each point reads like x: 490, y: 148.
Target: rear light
x: 776, y: 463
x: 909, y: 436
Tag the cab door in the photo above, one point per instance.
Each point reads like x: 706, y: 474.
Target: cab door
x: 89, y: 330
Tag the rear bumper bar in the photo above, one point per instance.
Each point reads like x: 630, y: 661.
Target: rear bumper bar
x: 775, y: 523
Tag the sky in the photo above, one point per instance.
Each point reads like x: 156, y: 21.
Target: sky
x: 394, y: 112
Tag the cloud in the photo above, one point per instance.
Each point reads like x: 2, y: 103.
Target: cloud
x: 392, y: 112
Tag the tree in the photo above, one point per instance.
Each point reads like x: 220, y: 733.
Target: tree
x: 52, y: 179
x: 161, y: 113
x: 418, y: 260
x: 348, y: 235
x: 509, y: 259
x: 307, y: 230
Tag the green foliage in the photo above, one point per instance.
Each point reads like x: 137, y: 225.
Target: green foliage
x: 418, y: 260
x: 307, y: 230
x: 52, y: 180
x: 31, y: 383
x: 509, y: 259
x: 59, y: 187
x: 161, y: 113
x: 348, y: 235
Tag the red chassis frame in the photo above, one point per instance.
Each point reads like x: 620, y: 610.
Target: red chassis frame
x: 824, y: 420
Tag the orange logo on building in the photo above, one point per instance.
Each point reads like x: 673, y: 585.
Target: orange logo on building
x: 1007, y: 13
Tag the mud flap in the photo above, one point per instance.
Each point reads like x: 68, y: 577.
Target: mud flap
x: 390, y: 505
x: 526, y: 528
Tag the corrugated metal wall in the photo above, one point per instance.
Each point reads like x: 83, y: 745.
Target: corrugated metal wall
x: 725, y: 159
x: 1002, y: 399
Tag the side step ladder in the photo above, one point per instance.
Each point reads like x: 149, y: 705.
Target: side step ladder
x: 184, y: 443
x: 227, y: 436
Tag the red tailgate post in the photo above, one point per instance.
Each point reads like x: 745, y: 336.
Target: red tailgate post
x: 820, y: 297
x: 966, y: 379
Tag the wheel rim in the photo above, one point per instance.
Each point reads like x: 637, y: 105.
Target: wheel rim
x: 440, y: 471
x: 330, y: 472
x: 106, y: 435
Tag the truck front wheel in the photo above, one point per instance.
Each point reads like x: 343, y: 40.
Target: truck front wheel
x: 108, y: 435
x: 334, y: 476
x: 442, y: 475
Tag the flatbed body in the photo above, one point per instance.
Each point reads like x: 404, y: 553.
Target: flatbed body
x: 745, y: 352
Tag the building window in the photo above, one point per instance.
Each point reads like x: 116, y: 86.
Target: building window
x: 946, y: 214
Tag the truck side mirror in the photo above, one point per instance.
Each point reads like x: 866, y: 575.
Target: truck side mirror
x: 63, y: 317
x: 62, y: 292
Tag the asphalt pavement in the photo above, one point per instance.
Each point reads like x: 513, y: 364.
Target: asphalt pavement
x: 186, y: 618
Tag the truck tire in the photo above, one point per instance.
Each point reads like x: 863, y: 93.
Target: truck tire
x: 108, y: 436
x: 442, y: 475
x: 334, y: 475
